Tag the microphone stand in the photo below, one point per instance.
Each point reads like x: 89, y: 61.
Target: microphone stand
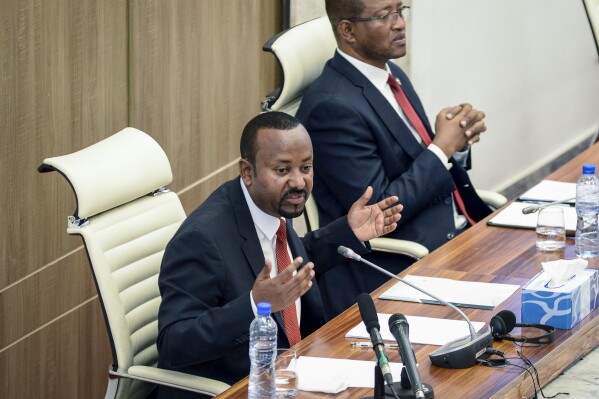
x: 461, y: 353
x: 534, y: 208
x: 403, y: 388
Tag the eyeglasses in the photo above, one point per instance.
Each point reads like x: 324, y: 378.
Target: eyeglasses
x: 395, y: 15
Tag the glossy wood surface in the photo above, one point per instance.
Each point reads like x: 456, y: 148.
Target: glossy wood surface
x: 482, y: 253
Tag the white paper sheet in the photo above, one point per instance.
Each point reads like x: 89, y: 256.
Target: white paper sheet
x: 512, y: 216
x: 550, y: 191
x: 318, y: 373
x: 423, y: 330
x: 460, y: 293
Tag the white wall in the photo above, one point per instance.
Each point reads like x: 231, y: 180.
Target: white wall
x: 532, y: 66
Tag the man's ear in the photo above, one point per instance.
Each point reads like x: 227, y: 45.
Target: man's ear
x: 346, y: 31
x: 246, y: 171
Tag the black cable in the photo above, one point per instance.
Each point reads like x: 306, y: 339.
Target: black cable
x: 529, y: 363
x: 393, y: 391
x: 534, y: 385
x: 505, y: 361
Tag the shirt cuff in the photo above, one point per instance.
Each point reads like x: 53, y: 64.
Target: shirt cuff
x: 440, y: 154
x: 254, y: 307
x: 461, y: 156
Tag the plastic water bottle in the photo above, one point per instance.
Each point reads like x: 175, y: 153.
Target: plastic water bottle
x: 263, y: 351
x: 587, y: 209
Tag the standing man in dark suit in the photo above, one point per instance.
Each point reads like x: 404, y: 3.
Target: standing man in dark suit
x: 369, y: 128
x: 221, y: 262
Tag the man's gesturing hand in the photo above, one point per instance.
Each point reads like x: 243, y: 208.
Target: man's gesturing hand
x: 371, y: 221
x: 284, y: 289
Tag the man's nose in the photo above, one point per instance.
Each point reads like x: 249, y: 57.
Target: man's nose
x: 296, y: 180
x: 398, y: 23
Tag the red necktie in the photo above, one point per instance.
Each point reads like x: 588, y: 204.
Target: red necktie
x: 414, y: 119
x: 290, y: 312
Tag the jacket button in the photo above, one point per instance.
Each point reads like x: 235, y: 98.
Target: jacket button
x: 450, y: 236
x: 448, y: 200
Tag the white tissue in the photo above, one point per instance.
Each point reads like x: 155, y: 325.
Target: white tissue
x: 561, y: 271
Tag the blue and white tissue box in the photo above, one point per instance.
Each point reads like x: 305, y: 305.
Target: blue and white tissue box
x: 561, y: 307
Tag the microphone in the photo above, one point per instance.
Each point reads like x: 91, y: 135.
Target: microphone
x: 401, y: 330
x: 371, y: 320
x: 458, y: 354
x: 534, y: 208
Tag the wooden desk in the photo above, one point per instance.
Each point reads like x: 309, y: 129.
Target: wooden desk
x: 482, y: 253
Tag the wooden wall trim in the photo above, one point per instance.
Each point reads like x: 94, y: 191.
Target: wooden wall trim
x: 54, y: 320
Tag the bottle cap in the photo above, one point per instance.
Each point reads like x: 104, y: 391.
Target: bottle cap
x: 588, y: 169
x: 263, y: 308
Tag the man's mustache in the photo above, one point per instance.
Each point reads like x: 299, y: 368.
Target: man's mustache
x: 294, y: 192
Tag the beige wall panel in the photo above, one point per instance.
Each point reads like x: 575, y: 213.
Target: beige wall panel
x: 198, y: 74
x: 63, y: 85
x: 66, y: 359
x: 194, y: 195
x: 63, y: 79
x: 45, y: 296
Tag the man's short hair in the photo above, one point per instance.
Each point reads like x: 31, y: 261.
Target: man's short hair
x: 338, y: 10
x: 267, y: 120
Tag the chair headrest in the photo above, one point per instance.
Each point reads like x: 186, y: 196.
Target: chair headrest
x: 112, y: 172
x: 301, y: 52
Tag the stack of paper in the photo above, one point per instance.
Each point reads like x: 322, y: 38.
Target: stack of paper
x: 512, y: 216
x: 543, y: 193
x: 468, y: 294
x: 319, y: 374
x: 423, y: 330
x: 550, y: 191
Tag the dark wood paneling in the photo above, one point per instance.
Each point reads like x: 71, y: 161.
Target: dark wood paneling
x: 63, y: 85
x: 190, y: 73
x: 198, y: 74
x: 45, y: 295
x: 67, y: 359
x: 63, y: 80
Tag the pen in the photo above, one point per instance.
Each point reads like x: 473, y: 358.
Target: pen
x: 369, y: 345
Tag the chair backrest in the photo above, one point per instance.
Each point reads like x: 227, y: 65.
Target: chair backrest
x: 311, y: 214
x: 592, y: 9
x: 301, y: 52
x: 125, y: 217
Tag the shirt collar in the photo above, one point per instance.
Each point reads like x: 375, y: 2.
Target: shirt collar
x: 267, y: 224
x: 377, y: 76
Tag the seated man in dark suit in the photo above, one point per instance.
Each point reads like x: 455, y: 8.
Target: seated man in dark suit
x: 221, y: 262
x: 369, y: 128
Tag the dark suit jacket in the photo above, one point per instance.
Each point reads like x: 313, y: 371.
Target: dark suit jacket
x: 359, y: 140
x: 208, y: 270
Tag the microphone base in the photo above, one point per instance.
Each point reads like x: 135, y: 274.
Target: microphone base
x: 405, y: 393
x: 461, y: 353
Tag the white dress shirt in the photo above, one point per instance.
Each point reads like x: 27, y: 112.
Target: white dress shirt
x: 266, y: 227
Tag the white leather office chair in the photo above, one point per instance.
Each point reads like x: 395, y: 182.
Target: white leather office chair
x: 301, y: 52
x: 592, y: 9
x: 126, y: 216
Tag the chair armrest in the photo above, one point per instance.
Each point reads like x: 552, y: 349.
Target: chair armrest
x: 491, y: 198
x: 402, y: 247
x: 174, y: 379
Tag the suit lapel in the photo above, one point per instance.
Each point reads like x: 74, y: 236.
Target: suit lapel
x: 312, y: 316
x: 397, y: 128
x: 251, y: 245
x: 295, y: 244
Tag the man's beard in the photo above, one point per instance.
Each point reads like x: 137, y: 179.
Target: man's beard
x: 299, y: 208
